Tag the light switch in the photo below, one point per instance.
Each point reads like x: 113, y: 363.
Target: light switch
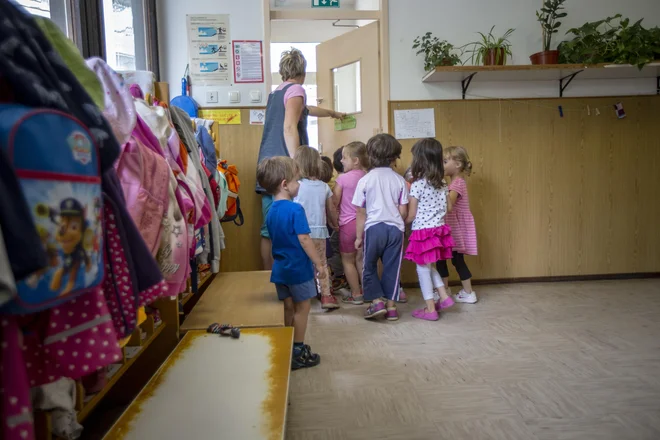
x: 255, y: 96
x: 235, y: 97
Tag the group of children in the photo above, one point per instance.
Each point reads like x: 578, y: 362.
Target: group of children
x: 367, y: 210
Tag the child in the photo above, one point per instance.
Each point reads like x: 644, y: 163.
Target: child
x: 458, y: 167
x: 354, y: 163
x: 430, y: 240
x: 315, y: 196
x: 339, y: 284
x: 293, y: 253
x: 382, y: 200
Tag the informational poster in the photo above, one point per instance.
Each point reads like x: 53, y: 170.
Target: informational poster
x: 414, y: 124
x: 257, y: 117
x: 222, y: 116
x: 248, y: 61
x: 209, y: 49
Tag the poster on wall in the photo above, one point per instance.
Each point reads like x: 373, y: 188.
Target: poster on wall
x: 209, y: 49
x: 414, y: 124
x: 248, y: 61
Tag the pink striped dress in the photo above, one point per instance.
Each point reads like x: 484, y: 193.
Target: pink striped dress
x: 461, y: 221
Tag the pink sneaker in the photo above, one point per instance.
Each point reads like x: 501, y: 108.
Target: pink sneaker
x: 403, y: 298
x: 427, y: 316
x: 392, y: 314
x: 439, y: 305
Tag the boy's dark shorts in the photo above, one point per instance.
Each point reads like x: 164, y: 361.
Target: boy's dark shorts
x: 299, y: 292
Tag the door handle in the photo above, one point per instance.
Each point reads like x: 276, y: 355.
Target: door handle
x: 319, y: 101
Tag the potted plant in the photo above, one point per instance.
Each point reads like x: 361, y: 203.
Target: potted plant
x: 436, y: 52
x: 548, y: 17
x: 611, y: 40
x: 491, y: 51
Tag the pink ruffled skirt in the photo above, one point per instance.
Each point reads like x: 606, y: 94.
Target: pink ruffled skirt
x: 426, y: 246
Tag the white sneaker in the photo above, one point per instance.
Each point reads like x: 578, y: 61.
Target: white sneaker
x: 468, y: 298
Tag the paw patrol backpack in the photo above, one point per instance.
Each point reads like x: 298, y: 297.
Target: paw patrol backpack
x: 57, y: 164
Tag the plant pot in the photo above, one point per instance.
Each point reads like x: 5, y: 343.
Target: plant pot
x: 492, y: 58
x: 545, y: 57
x: 446, y: 62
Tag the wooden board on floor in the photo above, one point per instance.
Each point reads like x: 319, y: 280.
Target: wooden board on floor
x: 242, y: 299
x: 213, y: 386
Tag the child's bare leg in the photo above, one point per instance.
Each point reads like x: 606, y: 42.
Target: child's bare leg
x: 289, y: 311
x: 351, y: 273
x: 324, y: 283
x: 301, y: 314
x: 467, y: 285
x: 359, y: 262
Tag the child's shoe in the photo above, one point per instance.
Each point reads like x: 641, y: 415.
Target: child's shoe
x: 304, y: 358
x: 426, y: 315
x: 355, y: 300
x: 339, y: 283
x: 329, y: 302
x: 403, y: 298
x: 375, y: 310
x: 464, y: 297
x: 392, y: 314
x: 439, y: 304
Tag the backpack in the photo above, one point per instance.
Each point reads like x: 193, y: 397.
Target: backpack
x: 57, y: 163
x: 233, y: 213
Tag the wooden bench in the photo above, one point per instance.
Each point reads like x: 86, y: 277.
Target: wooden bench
x: 242, y: 299
x: 215, y: 387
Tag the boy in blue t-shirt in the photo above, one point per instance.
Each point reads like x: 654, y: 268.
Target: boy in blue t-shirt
x: 293, y: 252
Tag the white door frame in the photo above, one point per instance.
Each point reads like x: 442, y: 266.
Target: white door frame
x: 382, y: 16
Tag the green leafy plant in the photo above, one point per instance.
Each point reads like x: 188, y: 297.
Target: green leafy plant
x: 611, y: 40
x: 501, y: 47
x: 549, y: 16
x: 436, y: 52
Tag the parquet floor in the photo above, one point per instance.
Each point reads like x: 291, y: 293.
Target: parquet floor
x: 556, y: 361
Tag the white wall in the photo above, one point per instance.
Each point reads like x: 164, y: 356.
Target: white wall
x: 306, y: 31
x: 246, y: 23
x: 458, y: 20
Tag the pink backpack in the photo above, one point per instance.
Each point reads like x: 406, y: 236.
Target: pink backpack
x: 144, y: 179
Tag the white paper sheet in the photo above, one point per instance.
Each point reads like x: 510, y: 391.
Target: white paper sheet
x: 257, y: 117
x: 414, y: 124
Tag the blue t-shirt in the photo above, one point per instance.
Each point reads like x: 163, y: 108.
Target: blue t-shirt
x: 285, y: 221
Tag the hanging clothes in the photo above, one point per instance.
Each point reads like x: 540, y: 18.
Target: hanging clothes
x: 184, y: 128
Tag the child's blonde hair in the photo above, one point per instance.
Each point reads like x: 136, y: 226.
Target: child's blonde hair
x: 357, y: 150
x: 273, y: 171
x: 309, y: 162
x: 292, y: 64
x: 460, y: 154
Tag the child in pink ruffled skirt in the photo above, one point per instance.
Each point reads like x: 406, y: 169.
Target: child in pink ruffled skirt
x: 431, y: 239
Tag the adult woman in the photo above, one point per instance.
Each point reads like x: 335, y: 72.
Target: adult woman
x: 285, y: 127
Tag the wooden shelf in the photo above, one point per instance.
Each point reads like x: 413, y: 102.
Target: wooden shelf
x: 564, y: 73
x: 140, y: 343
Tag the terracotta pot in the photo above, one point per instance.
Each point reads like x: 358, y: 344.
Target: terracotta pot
x: 491, y: 57
x: 446, y: 62
x: 545, y: 57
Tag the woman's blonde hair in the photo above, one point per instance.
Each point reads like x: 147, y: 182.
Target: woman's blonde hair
x: 292, y: 64
x: 460, y: 154
x: 357, y: 150
x: 309, y: 162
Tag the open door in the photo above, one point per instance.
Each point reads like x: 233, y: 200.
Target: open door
x: 348, y: 81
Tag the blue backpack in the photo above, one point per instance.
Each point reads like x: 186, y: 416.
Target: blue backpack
x: 57, y: 164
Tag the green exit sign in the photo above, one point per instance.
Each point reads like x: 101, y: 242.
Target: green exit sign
x: 325, y: 3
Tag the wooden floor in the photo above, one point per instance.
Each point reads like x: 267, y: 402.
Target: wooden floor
x: 558, y: 361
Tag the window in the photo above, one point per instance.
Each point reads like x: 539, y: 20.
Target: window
x: 56, y: 10
x: 309, y: 51
x: 125, y: 36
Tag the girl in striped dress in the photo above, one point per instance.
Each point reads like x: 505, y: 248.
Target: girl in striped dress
x: 458, y: 167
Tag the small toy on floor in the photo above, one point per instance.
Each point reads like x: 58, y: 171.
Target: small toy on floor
x: 224, y: 330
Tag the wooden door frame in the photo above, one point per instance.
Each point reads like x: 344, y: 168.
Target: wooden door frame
x: 382, y: 16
